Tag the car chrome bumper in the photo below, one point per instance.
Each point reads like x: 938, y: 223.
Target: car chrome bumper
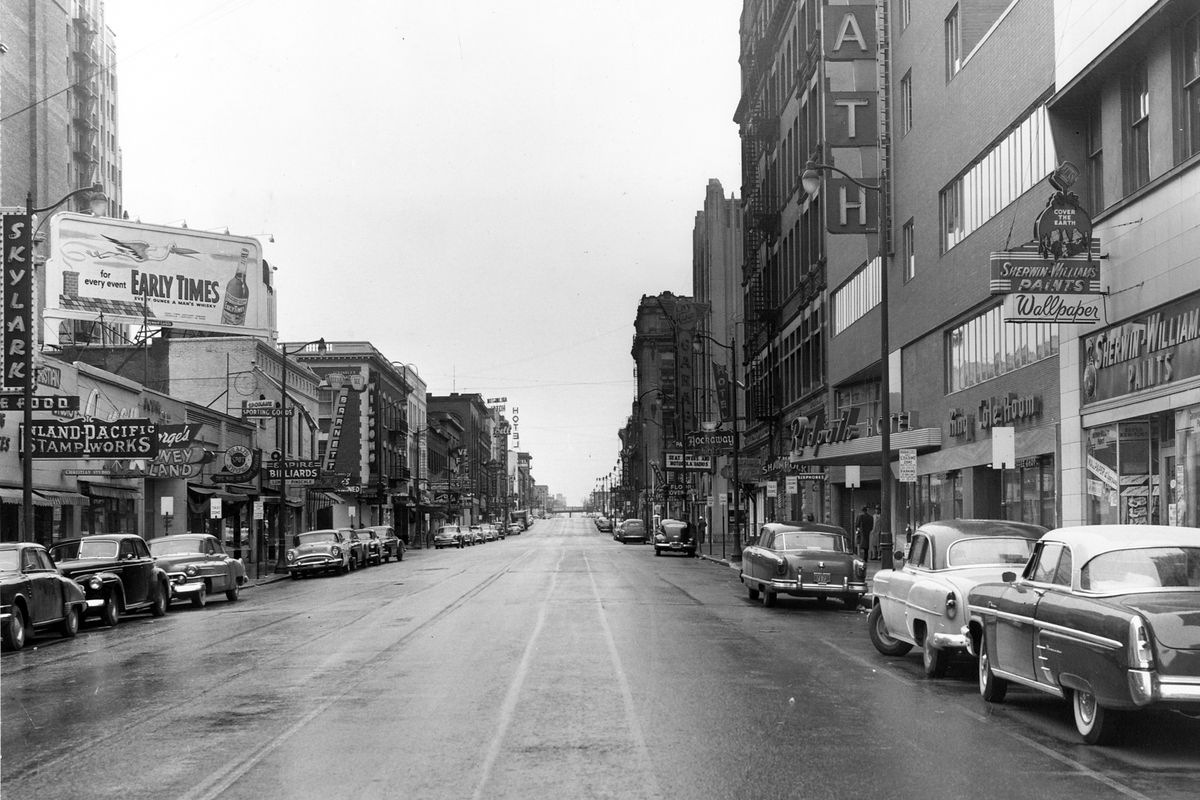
x: 303, y: 566
x: 1146, y: 686
x: 782, y: 586
x: 186, y: 588
x: 951, y: 641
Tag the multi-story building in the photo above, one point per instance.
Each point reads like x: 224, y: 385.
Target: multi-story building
x: 1126, y: 110
x: 665, y: 405
x: 478, y: 431
x: 716, y: 267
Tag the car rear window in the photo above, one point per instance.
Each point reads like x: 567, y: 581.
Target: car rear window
x: 802, y: 540
x: 1142, y: 568
x: 174, y: 547
x: 1000, y: 551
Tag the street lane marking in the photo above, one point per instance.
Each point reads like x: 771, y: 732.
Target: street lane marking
x: 509, y: 707
x: 635, y: 727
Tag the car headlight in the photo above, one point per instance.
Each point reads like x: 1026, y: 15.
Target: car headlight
x: 291, y: 555
x: 94, y: 584
x: 860, y: 568
x: 336, y: 552
x: 951, y: 605
x: 191, y: 571
x: 658, y: 537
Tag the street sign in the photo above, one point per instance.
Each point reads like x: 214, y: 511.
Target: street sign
x: 41, y: 402
x: 710, y: 441
x: 266, y: 408
x: 908, y: 465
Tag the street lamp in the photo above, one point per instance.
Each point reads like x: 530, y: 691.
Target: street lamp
x: 281, y: 546
x: 737, y: 484
x: 98, y: 204
x: 811, y: 181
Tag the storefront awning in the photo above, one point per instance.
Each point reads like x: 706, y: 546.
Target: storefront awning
x: 14, y: 496
x: 111, y: 492
x: 57, y: 498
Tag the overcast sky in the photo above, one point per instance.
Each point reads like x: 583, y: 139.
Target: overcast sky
x: 483, y: 189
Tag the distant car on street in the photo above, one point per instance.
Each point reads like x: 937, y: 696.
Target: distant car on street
x: 326, y: 550
x: 674, y: 536
x: 197, y: 566
x: 604, y: 524
x: 448, y: 536
x: 630, y: 530
x: 803, y: 559
x: 922, y: 603
x: 117, y: 572
x: 34, y: 594
x: 390, y: 545
x: 1106, y: 617
x: 372, y: 547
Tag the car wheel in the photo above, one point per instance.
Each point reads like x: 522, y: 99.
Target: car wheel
x: 657, y: 552
x: 295, y: 575
x: 991, y: 688
x: 880, y: 637
x: 934, y: 659
x: 768, y: 599
x: 1095, y: 724
x: 349, y: 565
x: 159, y: 607
x: 400, y: 554
x: 232, y: 593
x: 110, y: 614
x: 15, y: 632
x: 200, y: 598
x: 852, y: 601
x: 750, y: 590
x: 70, y: 624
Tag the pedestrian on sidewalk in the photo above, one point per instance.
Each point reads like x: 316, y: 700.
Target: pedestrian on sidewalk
x: 863, y: 528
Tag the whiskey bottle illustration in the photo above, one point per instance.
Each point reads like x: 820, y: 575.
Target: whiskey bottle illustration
x: 237, y: 294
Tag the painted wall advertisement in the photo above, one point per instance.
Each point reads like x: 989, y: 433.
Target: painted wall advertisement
x: 128, y: 272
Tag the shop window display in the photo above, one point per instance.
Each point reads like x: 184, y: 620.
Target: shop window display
x: 1124, y: 471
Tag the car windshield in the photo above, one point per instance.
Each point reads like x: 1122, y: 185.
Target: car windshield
x: 447, y: 531
x: 9, y: 559
x: 808, y: 540
x: 84, y: 548
x: 985, y: 552
x: 317, y: 536
x: 174, y: 547
x: 1142, y: 568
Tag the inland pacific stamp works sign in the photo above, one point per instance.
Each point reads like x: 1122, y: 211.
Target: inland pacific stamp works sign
x: 84, y: 438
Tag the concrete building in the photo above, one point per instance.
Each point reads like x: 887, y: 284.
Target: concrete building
x: 474, y: 496
x: 717, y: 354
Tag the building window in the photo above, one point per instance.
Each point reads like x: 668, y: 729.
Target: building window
x: 1095, y: 162
x: 908, y: 250
x: 1191, y: 86
x: 953, y: 45
x: 856, y: 297
x: 906, y: 112
x: 1137, y: 119
x: 986, y: 347
x: 1029, y: 491
x: 1010, y: 168
x: 905, y: 13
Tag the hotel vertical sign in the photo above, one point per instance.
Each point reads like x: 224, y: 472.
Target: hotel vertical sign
x: 16, y: 238
x: 852, y: 112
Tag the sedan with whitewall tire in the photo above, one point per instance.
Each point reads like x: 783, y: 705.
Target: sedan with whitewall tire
x: 803, y: 559
x: 197, y: 567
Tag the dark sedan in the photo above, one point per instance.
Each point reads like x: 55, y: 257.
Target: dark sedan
x: 1104, y: 616
x: 803, y: 559
x: 117, y: 572
x: 35, y: 594
x: 197, y: 566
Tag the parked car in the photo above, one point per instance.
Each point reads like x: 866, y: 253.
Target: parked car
x: 604, y: 524
x: 489, y: 532
x: 515, y: 529
x: 372, y: 547
x: 35, y: 594
x: 117, y: 573
x: 674, y: 536
x: 326, y: 550
x: 1103, y: 616
x: 923, y: 602
x: 448, y: 536
x: 197, y: 566
x: 359, y: 557
x: 477, y: 534
x: 803, y: 559
x: 630, y: 530
x: 390, y: 545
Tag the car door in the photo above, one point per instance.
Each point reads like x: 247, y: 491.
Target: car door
x: 45, y: 593
x: 894, y: 600
x: 1015, y: 610
x: 136, y: 569
x: 216, y: 562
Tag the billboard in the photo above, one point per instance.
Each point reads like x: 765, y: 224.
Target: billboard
x: 126, y: 272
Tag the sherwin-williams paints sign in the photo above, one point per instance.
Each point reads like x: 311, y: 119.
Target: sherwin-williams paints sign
x: 127, y: 271
x: 1155, y: 349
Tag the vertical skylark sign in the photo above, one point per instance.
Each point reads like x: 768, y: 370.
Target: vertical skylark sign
x: 16, y: 239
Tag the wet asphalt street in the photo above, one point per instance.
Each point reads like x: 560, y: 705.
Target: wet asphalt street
x: 555, y: 664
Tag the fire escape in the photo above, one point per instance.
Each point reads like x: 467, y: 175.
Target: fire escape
x: 85, y: 121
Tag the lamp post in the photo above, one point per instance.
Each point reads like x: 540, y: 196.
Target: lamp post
x: 811, y: 181
x: 98, y: 202
x: 737, y: 446
x: 281, y: 544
